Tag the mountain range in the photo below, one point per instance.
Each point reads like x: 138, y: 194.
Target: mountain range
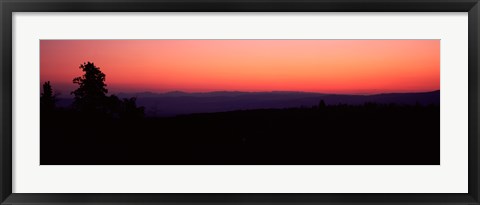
x: 178, y: 103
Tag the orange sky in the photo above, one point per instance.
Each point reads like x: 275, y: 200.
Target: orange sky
x: 328, y: 66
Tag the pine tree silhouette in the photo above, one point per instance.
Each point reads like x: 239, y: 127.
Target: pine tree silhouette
x: 47, y: 99
x: 91, y: 94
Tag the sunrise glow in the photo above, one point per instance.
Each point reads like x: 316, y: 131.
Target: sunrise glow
x: 327, y: 66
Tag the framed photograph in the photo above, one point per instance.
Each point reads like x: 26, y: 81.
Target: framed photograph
x: 238, y: 101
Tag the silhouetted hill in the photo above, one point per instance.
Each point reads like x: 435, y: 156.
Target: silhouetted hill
x: 177, y: 103
x: 369, y: 134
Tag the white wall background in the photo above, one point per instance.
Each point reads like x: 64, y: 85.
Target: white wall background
x: 449, y: 177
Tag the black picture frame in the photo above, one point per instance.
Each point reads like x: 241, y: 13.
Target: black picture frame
x: 7, y: 7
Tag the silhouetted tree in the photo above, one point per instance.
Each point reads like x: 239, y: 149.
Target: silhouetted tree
x: 91, y: 94
x: 321, y: 105
x: 131, y: 111
x: 114, y: 106
x: 125, y: 109
x: 47, y: 99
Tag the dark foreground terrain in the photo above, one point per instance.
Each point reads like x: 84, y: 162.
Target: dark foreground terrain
x: 369, y: 134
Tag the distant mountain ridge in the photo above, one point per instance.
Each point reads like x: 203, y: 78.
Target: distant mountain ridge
x: 177, y: 102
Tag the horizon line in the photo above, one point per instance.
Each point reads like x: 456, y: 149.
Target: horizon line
x: 286, y: 91
x: 273, y: 91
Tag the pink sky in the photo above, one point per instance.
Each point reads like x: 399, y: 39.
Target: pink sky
x: 328, y: 66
